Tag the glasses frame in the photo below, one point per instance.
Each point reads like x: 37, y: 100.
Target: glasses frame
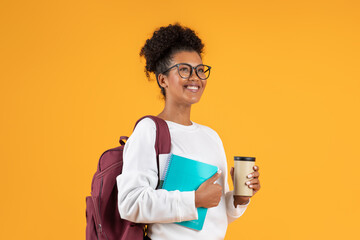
x: 191, y: 70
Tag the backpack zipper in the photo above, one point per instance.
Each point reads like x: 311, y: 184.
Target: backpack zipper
x: 98, y: 210
x: 100, y: 226
x: 101, y: 186
x: 113, y: 149
x: 97, y: 217
x: 108, y: 169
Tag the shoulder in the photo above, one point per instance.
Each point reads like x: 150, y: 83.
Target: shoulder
x: 145, y: 124
x: 144, y: 132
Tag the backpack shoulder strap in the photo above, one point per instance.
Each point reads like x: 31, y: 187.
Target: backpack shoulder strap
x: 163, y: 139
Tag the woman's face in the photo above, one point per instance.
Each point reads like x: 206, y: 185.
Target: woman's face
x: 184, y: 91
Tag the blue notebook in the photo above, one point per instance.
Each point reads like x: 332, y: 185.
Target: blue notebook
x: 184, y: 174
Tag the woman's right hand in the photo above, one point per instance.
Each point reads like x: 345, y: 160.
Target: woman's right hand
x: 209, y: 193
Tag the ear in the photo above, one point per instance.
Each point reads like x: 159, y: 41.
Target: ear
x: 163, y: 81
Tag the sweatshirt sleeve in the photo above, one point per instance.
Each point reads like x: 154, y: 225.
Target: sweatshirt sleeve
x: 232, y: 212
x: 138, y: 200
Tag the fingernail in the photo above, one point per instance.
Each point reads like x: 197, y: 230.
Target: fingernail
x: 249, y: 176
x: 250, y: 186
x: 247, y: 183
x: 219, y: 171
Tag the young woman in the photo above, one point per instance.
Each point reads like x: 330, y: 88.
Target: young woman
x: 173, y: 54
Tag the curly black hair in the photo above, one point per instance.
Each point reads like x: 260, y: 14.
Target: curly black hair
x: 165, y: 42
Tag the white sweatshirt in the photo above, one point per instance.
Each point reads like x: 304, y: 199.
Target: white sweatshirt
x: 138, y: 201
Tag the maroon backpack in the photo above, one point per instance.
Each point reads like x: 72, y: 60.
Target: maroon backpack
x: 103, y: 221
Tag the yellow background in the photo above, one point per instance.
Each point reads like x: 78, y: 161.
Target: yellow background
x: 285, y: 88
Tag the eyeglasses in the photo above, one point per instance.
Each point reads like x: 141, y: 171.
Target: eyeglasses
x: 185, y: 70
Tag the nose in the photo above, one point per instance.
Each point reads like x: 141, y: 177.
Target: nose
x: 193, y: 76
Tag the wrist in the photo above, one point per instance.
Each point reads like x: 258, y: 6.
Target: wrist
x: 240, y: 200
x: 196, y: 199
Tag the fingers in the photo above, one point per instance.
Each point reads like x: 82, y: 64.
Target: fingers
x: 255, y: 187
x: 232, y: 173
x: 215, y: 177
x: 254, y: 184
x: 255, y: 174
x: 209, y: 193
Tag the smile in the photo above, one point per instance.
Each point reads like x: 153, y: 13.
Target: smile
x: 193, y: 87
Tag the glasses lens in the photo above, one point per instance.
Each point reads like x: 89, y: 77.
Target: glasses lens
x: 203, y: 71
x: 184, y: 70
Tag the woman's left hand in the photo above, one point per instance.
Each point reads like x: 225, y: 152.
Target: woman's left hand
x: 253, y: 183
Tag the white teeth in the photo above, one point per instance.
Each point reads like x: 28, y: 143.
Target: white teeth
x: 192, y: 87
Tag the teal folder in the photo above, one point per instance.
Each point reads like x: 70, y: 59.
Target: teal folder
x: 185, y: 174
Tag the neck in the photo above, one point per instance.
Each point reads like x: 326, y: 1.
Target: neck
x: 176, y: 113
